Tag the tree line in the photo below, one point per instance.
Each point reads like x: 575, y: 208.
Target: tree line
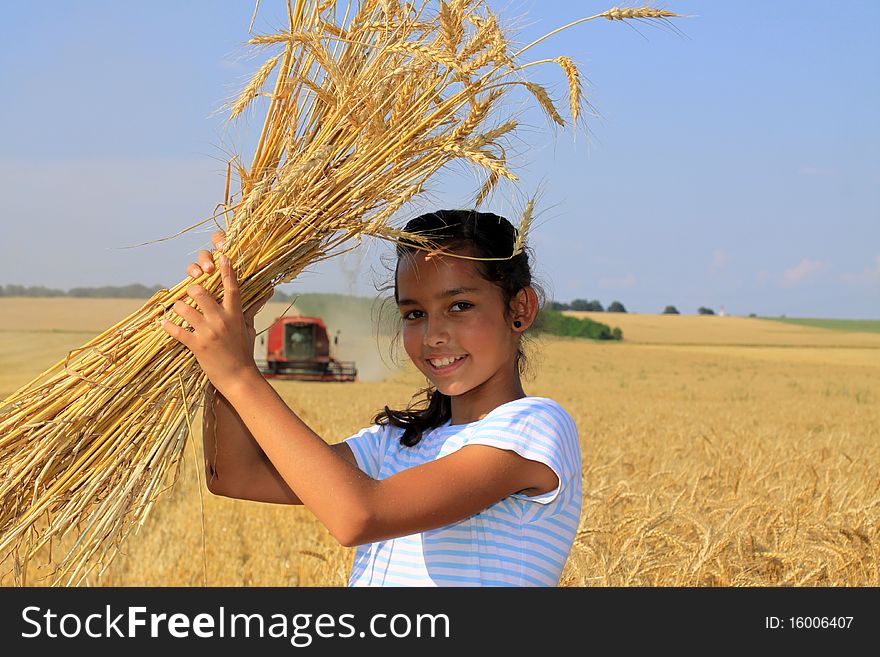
x: 614, y: 307
x: 584, y: 305
x: 134, y: 291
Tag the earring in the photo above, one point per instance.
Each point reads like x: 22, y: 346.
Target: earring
x: 517, y: 323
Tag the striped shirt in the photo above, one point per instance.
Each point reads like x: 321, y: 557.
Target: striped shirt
x: 519, y: 541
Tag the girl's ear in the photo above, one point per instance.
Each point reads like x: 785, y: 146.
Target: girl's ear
x: 524, y: 308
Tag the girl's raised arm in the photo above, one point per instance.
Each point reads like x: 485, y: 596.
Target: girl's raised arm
x: 235, y: 464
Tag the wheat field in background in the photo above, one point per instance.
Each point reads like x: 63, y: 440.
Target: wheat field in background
x: 718, y: 451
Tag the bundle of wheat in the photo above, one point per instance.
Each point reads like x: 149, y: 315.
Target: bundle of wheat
x: 369, y: 101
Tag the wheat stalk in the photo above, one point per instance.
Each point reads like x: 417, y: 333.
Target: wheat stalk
x: 253, y: 87
x: 635, y: 13
x: 543, y: 98
x: 574, y: 85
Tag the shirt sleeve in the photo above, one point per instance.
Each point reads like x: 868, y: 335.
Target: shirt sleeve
x: 368, y: 445
x: 540, y: 431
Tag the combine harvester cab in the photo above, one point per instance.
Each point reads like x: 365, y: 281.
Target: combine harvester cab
x: 298, y: 348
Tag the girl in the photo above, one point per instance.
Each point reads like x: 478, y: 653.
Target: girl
x: 481, y: 487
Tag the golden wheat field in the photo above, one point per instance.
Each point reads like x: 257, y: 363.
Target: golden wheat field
x: 717, y: 451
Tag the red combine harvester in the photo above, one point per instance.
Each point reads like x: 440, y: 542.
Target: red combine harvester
x: 298, y: 348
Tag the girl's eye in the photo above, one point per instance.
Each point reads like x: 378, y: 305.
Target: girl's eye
x: 408, y: 316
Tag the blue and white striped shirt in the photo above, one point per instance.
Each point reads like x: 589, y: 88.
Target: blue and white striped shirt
x: 519, y: 541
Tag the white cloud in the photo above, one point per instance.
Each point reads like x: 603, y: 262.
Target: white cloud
x: 720, y: 260
x: 805, y: 270
x: 871, y: 274
x: 622, y: 282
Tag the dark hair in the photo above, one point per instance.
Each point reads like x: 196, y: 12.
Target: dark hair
x: 481, y: 235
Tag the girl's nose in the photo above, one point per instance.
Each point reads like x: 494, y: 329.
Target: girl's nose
x: 435, y: 332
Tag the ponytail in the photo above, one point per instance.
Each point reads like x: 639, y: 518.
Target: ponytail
x: 416, y: 421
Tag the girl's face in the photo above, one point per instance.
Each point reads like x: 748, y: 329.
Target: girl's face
x: 449, y: 311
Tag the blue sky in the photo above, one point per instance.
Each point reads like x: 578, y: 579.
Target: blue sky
x: 736, y: 166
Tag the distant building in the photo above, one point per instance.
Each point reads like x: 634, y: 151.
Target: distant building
x: 721, y: 312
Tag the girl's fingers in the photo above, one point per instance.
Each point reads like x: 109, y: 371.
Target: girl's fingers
x: 180, y: 334
x: 231, y: 293
x: 206, y: 261
x: 205, y: 302
x: 205, y: 264
x: 190, y: 314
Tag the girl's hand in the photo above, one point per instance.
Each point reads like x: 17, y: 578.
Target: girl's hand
x: 222, y: 338
x: 205, y: 265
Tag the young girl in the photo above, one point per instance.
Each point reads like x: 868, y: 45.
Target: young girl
x: 482, y: 487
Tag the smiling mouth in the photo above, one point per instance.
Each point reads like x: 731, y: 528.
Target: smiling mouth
x: 445, y: 365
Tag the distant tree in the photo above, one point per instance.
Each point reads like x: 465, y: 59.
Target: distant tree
x: 671, y: 310
x: 555, y: 323
x: 616, y: 333
x: 752, y: 315
x: 36, y: 291
x: 558, y: 305
x: 133, y: 291
x: 595, y: 306
x: 705, y: 311
x: 616, y: 307
x: 41, y: 291
x: 580, y: 304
